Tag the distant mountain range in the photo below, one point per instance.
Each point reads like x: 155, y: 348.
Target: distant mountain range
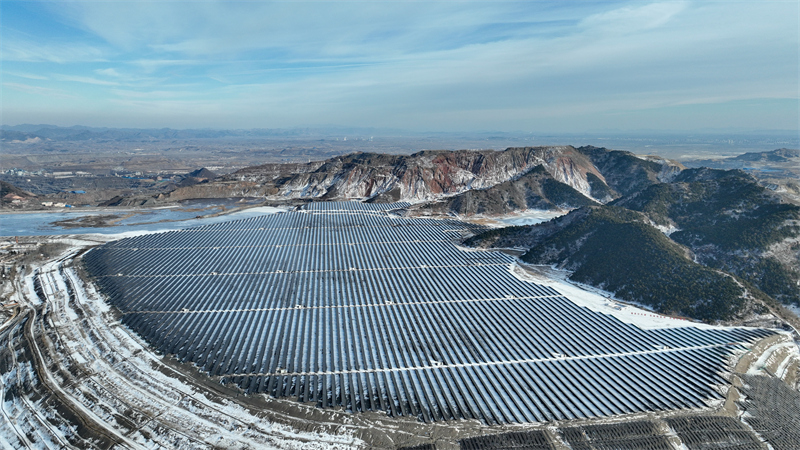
x: 22, y: 133
x: 469, y: 182
x: 762, y: 163
x: 640, y: 139
x: 779, y: 155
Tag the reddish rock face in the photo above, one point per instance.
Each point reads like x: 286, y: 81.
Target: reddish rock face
x: 425, y: 175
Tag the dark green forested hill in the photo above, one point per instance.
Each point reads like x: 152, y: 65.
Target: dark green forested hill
x: 723, y: 225
x: 730, y: 223
x: 615, y: 249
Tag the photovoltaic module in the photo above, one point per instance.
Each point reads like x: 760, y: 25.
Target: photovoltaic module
x: 346, y: 304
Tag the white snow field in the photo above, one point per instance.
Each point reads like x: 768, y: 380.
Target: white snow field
x: 347, y: 305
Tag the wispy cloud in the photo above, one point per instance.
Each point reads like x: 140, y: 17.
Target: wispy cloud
x: 29, y: 76
x: 419, y: 65
x: 38, y: 90
x: 17, y: 46
x: 634, y: 18
x: 158, y: 94
x: 109, y: 72
x: 85, y: 80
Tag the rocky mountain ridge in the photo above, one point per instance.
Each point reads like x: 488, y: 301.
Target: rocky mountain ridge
x: 433, y: 175
x: 536, y: 189
x: 426, y: 175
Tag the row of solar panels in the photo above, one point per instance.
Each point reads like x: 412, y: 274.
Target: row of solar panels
x: 279, y: 311
x: 398, y: 336
x: 339, y: 225
x: 315, y: 289
x: 525, y: 392
x: 261, y: 257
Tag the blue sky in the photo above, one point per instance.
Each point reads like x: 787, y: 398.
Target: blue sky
x: 442, y: 66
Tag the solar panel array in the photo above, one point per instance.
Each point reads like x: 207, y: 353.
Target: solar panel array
x: 346, y: 305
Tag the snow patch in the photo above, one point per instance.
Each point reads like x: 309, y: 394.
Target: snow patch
x: 530, y: 217
x: 795, y: 309
x: 667, y: 230
x: 769, y: 356
x: 598, y: 300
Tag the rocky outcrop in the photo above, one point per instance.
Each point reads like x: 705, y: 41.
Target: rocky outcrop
x: 536, y: 189
x: 426, y: 175
x: 10, y: 189
x: 627, y: 173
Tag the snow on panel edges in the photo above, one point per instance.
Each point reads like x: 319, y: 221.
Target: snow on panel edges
x: 354, y: 206
x: 344, y: 305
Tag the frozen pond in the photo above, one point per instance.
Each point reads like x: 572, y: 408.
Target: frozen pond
x: 132, y: 219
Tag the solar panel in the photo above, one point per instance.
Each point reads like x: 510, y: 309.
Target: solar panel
x: 348, y: 305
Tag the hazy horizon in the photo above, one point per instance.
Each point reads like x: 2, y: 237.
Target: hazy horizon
x: 388, y: 131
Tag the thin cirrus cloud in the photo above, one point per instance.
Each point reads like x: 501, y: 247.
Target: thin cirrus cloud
x: 634, y: 18
x: 451, y: 66
x: 29, y: 76
x: 85, y: 80
x: 38, y: 90
x: 27, y: 51
x: 109, y: 72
